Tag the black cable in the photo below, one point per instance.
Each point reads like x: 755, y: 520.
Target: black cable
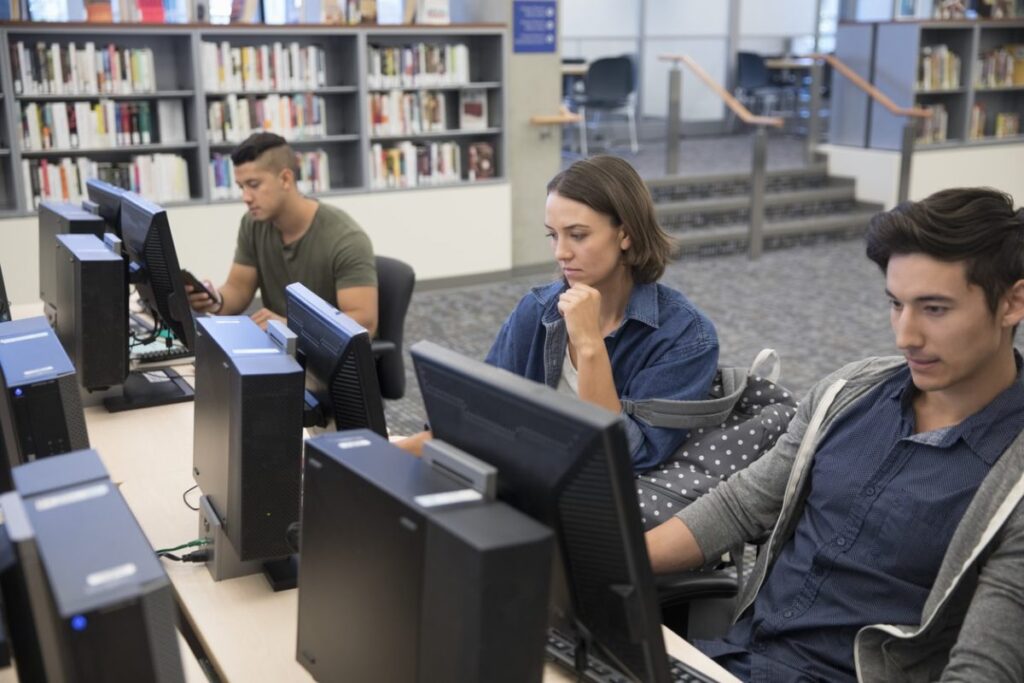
x: 185, y: 500
x: 194, y: 556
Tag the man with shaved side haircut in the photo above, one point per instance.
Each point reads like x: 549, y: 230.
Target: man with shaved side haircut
x: 286, y: 237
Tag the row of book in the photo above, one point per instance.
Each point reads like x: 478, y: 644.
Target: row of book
x: 1002, y: 67
x: 70, y: 69
x: 159, y: 177
x: 100, y: 125
x: 313, y: 174
x: 398, y: 112
x: 259, y: 69
x: 235, y: 118
x: 411, y: 164
x: 421, y: 64
x: 935, y: 127
x: 939, y: 68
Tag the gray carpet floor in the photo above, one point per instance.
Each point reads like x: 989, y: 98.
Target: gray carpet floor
x: 819, y: 306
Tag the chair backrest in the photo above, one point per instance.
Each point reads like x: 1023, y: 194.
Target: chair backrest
x: 750, y: 71
x: 611, y: 79
x: 395, y: 282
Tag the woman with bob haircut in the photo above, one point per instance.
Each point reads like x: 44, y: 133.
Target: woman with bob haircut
x: 606, y: 331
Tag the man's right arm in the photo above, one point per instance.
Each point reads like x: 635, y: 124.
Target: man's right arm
x: 235, y: 294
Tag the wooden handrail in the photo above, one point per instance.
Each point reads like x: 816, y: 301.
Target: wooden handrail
x: 735, y: 105
x: 563, y: 116
x: 873, y: 92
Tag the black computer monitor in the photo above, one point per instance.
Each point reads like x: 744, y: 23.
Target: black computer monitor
x: 567, y: 464
x: 341, y: 377
x: 105, y: 201
x: 154, y: 269
x: 5, y: 305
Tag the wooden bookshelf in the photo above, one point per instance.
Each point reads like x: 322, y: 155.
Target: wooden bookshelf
x: 180, y: 73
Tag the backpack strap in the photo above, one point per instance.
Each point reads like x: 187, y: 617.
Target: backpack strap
x: 660, y: 412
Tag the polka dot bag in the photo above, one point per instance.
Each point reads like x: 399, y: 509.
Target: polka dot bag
x: 746, y: 412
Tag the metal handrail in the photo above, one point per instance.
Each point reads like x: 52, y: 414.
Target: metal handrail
x: 727, y: 98
x: 755, y: 238
x: 873, y: 92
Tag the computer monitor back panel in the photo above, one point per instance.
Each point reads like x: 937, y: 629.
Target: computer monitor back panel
x: 40, y: 405
x: 337, y: 355
x: 460, y: 587
x: 247, y: 446
x: 150, y: 246
x: 566, y: 463
x: 102, y: 611
x: 107, y: 201
x: 91, y: 312
x: 60, y: 219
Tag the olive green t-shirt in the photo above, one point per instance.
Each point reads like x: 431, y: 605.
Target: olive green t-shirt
x: 334, y: 254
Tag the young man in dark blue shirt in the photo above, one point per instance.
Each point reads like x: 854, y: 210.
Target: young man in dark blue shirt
x: 892, y: 505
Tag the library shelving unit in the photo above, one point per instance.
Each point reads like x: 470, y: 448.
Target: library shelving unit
x: 187, y: 67
x: 891, y: 55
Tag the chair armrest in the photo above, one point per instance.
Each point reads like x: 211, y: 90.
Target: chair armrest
x: 381, y: 347
x: 674, y: 589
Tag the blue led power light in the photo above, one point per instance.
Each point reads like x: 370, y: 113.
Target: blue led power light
x: 79, y: 622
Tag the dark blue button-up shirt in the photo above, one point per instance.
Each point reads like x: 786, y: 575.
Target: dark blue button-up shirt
x: 665, y: 348
x: 883, y: 505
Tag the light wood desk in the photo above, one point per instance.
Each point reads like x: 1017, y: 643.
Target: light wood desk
x: 789, y: 63
x: 247, y: 630
x: 575, y: 69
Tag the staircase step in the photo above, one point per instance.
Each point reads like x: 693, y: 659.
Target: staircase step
x: 730, y: 238
x: 835, y: 188
x: 679, y: 188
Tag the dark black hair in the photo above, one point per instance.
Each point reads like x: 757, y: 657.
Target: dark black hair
x: 254, y: 146
x: 977, y: 225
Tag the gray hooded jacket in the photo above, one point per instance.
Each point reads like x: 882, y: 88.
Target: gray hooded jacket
x: 972, y: 624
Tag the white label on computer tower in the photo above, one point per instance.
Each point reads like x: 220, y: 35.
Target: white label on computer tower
x: 37, y: 371
x: 71, y: 497
x: 121, y: 571
x: 24, y: 337
x: 431, y: 500
x: 353, y: 443
x: 240, y: 352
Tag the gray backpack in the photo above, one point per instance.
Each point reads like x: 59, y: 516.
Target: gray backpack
x: 747, y: 411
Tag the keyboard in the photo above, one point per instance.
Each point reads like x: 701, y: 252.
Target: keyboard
x: 158, y: 352
x: 562, y: 651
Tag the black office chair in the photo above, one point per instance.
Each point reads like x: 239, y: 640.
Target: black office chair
x: 754, y: 87
x: 610, y: 87
x: 395, y: 282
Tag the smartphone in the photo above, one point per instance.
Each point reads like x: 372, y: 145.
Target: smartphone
x: 197, y: 284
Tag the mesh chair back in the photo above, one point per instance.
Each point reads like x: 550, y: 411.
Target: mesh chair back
x: 751, y: 72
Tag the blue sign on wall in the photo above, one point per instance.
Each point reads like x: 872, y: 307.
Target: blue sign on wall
x: 535, y: 26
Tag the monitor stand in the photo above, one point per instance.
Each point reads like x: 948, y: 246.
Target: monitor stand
x: 149, y: 388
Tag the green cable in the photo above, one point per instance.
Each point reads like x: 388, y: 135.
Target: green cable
x: 190, y: 544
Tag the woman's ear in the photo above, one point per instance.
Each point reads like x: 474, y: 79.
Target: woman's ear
x: 624, y: 242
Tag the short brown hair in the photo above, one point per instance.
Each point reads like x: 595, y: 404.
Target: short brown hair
x: 611, y: 186
x: 976, y: 225
x: 270, y: 149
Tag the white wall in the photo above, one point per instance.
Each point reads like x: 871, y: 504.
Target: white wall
x: 417, y: 226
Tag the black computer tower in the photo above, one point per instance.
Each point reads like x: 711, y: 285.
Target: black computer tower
x: 91, y: 304
x: 91, y: 601
x: 247, y: 449
x: 40, y: 405
x: 407, y: 576
x: 60, y: 219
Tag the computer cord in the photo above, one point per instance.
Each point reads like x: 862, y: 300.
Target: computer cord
x: 200, y: 555
x: 185, y: 500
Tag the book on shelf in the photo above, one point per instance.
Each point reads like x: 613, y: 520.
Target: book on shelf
x: 933, y: 128
x: 409, y: 164
x: 976, y: 127
x: 98, y: 11
x: 274, y: 66
x: 417, y: 65
x: 313, y: 174
x: 235, y: 118
x: 939, y: 68
x: 159, y: 177
x: 170, y: 121
x: 480, y: 161
x: 433, y: 12
x: 88, y: 125
x: 85, y: 69
x: 1002, y: 67
x: 1007, y: 125
x: 472, y: 109
x: 407, y: 113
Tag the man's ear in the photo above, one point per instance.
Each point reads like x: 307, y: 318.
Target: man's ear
x: 1013, y: 305
x: 287, y: 177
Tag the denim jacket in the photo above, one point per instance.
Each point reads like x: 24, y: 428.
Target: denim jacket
x: 665, y: 348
